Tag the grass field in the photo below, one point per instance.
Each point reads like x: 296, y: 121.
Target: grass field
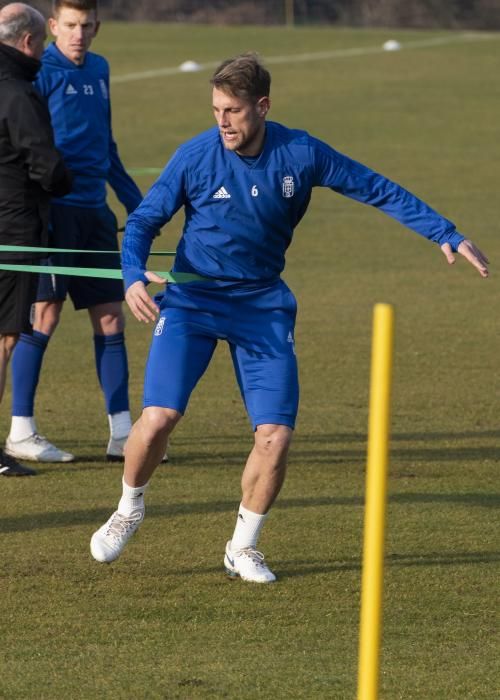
x: 163, y: 622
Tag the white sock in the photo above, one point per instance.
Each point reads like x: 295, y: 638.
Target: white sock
x: 21, y: 428
x: 247, y: 530
x: 132, y: 498
x: 120, y: 424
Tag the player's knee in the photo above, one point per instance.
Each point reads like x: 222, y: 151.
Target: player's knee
x: 273, y: 439
x: 47, y: 315
x: 8, y: 343
x: 107, y: 319
x: 157, y: 421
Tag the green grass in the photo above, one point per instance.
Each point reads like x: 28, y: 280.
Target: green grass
x: 163, y: 622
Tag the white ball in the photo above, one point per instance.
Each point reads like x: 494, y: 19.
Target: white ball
x: 189, y: 67
x: 391, y: 45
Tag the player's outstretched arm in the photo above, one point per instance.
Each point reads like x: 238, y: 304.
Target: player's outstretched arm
x: 471, y: 253
x: 139, y: 301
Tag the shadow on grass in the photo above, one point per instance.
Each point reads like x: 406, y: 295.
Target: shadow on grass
x: 307, y: 448
x: 347, y: 437
x: 308, y: 454
x: 95, y: 516
x: 290, y: 569
x: 293, y: 569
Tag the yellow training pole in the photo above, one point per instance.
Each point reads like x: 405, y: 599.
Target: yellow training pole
x: 376, y: 488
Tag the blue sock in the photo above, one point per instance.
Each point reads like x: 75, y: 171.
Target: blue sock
x: 112, y: 370
x: 26, y: 365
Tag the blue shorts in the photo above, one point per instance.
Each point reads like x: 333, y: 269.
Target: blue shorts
x: 258, y: 324
x: 83, y: 229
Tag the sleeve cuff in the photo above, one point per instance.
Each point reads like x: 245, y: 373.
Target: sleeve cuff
x: 132, y: 275
x: 454, y: 239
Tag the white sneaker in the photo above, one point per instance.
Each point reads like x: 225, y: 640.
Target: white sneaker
x: 114, y: 451
x: 247, y: 563
x: 37, y: 448
x: 108, y: 542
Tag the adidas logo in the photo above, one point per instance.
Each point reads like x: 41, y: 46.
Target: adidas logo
x: 222, y: 193
x: 290, y: 338
x: 70, y: 90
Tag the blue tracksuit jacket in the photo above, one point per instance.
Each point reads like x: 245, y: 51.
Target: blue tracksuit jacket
x: 240, y: 213
x: 79, y: 105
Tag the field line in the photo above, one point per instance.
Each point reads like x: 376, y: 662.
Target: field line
x: 317, y: 56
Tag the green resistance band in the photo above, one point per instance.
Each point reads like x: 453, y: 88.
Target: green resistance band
x: 33, y: 249
x: 174, y: 277
x: 144, y: 171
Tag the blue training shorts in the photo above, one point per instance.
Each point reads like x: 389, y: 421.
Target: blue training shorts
x: 258, y: 325
x: 83, y: 229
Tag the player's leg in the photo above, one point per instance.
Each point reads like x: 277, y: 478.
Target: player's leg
x: 17, y: 292
x: 108, y: 323
x: 103, y: 297
x: 265, y: 469
x: 143, y: 452
x: 24, y: 441
x: 268, y: 380
x: 29, y: 354
x: 7, y: 344
x: 177, y: 359
x: 14, y: 312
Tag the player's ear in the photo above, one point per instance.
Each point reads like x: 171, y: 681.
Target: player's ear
x: 53, y: 26
x: 263, y: 106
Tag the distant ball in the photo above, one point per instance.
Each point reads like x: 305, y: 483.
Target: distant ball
x: 189, y: 67
x: 391, y: 45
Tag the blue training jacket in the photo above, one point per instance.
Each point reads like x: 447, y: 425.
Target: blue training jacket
x: 80, y: 110
x: 240, y: 213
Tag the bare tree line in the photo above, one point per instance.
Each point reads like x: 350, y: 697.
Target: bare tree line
x: 449, y: 14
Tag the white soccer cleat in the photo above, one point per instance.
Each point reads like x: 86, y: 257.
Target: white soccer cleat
x: 247, y: 563
x: 108, y: 542
x: 115, y: 450
x: 37, y: 448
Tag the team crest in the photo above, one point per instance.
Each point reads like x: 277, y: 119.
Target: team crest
x: 288, y: 186
x: 159, y: 325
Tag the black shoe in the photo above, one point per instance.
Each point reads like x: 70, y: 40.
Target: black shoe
x: 11, y: 467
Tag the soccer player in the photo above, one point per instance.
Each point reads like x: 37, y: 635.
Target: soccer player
x: 75, y: 83
x: 31, y: 170
x: 244, y: 184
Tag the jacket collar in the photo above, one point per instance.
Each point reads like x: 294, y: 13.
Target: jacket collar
x: 14, y: 64
x: 53, y: 53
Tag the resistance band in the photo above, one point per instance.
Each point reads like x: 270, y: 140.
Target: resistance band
x: 175, y: 277
x: 109, y: 273
x: 33, y: 249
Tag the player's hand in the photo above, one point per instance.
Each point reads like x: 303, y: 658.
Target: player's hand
x: 139, y: 301
x: 471, y: 253
x: 153, y: 277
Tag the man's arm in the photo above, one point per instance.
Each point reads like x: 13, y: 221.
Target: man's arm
x: 357, y: 181
x: 162, y: 201
x: 122, y: 184
x: 31, y: 135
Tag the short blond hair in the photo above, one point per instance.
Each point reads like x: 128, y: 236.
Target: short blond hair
x: 243, y: 76
x: 83, y: 5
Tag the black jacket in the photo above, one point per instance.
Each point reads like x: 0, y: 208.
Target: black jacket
x: 31, y: 168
